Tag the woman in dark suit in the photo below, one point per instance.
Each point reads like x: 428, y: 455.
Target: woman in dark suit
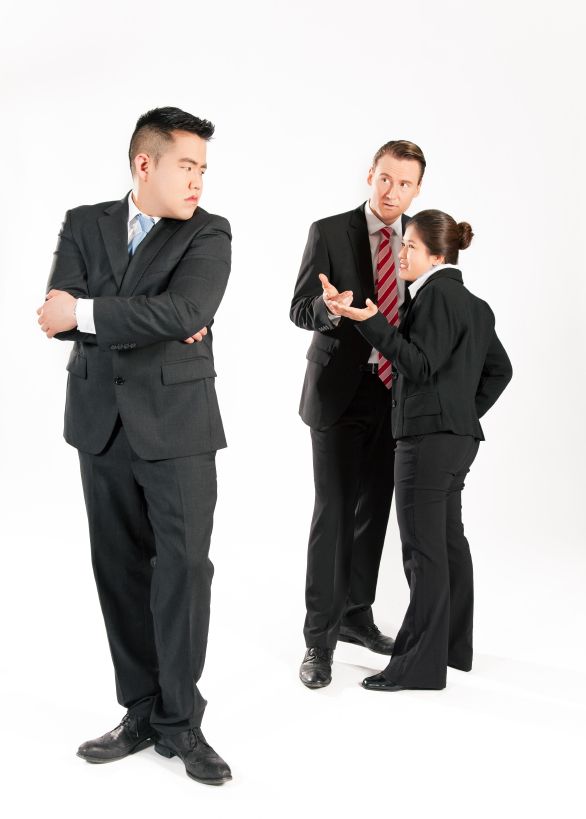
x: 449, y: 368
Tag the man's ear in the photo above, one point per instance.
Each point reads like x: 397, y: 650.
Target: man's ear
x: 369, y: 176
x: 142, y: 164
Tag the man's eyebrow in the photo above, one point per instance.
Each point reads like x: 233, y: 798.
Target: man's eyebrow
x: 191, y: 161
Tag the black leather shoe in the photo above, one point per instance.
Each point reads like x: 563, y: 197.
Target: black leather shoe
x: 132, y: 735
x: 201, y: 761
x: 378, y: 682
x: 316, y: 668
x: 368, y: 636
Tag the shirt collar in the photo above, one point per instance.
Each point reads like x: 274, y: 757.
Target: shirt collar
x: 418, y: 283
x: 374, y: 224
x: 133, y: 210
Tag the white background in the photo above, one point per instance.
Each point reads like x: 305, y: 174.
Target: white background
x: 302, y: 95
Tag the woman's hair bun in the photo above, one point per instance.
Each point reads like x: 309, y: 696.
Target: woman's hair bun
x: 465, y: 233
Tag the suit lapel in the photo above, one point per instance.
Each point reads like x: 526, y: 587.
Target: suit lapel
x: 358, y: 235
x: 113, y: 226
x: 150, y: 246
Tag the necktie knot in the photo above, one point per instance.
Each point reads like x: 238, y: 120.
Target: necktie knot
x: 145, y: 223
x: 385, y: 233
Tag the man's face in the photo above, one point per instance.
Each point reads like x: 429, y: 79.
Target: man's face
x: 174, y: 185
x: 414, y: 257
x: 395, y: 183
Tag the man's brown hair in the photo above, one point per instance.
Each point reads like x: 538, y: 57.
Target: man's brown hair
x: 401, y: 149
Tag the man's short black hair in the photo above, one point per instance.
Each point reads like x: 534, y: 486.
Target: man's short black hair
x: 154, y: 131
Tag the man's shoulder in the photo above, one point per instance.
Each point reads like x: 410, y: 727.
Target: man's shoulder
x: 85, y: 212
x: 340, y: 221
x: 204, y: 217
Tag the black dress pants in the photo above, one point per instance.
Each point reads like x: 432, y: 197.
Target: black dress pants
x: 150, y: 525
x: 353, y: 475
x: 437, y: 629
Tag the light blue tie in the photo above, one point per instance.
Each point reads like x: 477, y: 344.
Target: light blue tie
x: 146, y: 223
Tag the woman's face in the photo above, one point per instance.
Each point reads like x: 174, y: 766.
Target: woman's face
x: 414, y: 258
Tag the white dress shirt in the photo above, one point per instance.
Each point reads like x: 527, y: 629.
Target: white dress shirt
x: 84, y: 310
x: 415, y: 285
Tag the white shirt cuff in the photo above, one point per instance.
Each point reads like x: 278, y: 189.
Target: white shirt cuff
x: 84, y: 312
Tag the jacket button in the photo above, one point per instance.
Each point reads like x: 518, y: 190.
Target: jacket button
x: 393, y: 403
x: 118, y: 380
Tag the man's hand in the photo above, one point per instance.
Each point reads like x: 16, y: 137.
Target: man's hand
x: 338, y: 308
x: 56, y: 314
x: 197, y: 336
x: 330, y: 294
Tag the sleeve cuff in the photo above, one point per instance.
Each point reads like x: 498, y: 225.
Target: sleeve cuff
x: 84, y: 313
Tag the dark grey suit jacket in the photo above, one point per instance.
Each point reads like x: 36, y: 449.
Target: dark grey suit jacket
x: 451, y: 365
x: 339, y: 247
x: 137, y: 365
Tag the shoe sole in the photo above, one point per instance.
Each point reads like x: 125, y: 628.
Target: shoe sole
x: 169, y: 754
x: 96, y: 760
x: 316, y: 685
x: 358, y: 643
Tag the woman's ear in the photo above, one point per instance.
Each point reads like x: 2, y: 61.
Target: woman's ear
x: 438, y: 260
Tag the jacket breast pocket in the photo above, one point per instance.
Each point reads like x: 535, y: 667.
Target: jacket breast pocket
x: 178, y: 372
x: 322, y: 349
x: 422, y: 403
x: 77, y: 364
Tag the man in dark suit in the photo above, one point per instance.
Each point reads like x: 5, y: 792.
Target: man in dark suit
x: 131, y: 283
x: 346, y: 401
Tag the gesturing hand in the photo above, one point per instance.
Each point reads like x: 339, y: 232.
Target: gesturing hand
x: 330, y: 293
x: 338, y: 308
x: 56, y: 314
x: 197, y: 336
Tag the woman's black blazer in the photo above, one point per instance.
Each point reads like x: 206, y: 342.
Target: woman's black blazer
x: 448, y: 362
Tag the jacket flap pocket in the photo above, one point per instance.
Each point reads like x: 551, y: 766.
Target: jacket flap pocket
x: 176, y: 372
x: 77, y: 365
x: 319, y: 356
x: 422, y: 403
x: 322, y: 348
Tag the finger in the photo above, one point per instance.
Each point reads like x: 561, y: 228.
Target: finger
x: 197, y: 337
x: 203, y: 331
x: 324, y: 280
x: 188, y: 340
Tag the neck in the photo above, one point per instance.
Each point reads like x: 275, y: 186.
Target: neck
x: 142, y: 202
x: 378, y: 216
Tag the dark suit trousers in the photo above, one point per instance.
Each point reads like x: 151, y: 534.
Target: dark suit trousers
x: 150, y: 526
x: 437, y: 629
x: 353, y: 474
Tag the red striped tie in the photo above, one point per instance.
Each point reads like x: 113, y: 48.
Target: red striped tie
x: 387, y: 296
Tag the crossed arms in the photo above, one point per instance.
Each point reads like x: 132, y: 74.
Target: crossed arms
x: 191, y: 300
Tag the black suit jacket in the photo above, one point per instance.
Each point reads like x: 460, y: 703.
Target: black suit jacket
x: 339, y: 247
x: 136, y: 365
x: 451, y: 365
